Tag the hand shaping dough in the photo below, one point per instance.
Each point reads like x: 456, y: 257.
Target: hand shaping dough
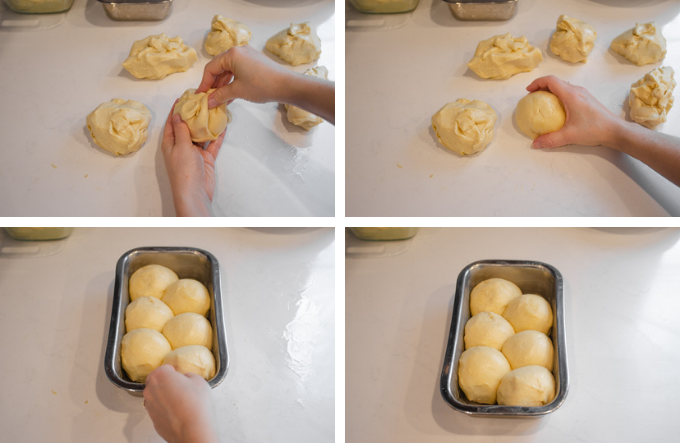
x: 157, y: 56
x: 300, y: 117
x: 487, y: 329
x: 119, y: 126
x: 142, y: 351
x: 528, y: 348
x: 527, y: 386
x: 297, y: 45
x: 651, y: 97
x: 204, y: 124
x: 493, y: 295
x: 226, y: 33
x: 573, y: 40
x: 151, y: 281
x: 147, y: 312
x: 642, y: 44
x: 503, y: 56
x: 465, y: 126
x: 187, y: 295
x: 188, y: 329
x: 195, y: 359
x: 539, y: 113
x: 480, y: 370
x: 529, y: 311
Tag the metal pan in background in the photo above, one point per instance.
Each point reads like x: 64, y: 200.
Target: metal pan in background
x: 482, y: 9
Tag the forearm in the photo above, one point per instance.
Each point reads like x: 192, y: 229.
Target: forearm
x: 311, y: 94
x: 189, y: 205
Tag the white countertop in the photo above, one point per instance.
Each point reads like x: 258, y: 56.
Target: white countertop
x: 398, y: 78
x: 278, y: 289
x: 50, y: 80
x: 623, y: 337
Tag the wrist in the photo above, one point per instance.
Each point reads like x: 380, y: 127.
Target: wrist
x: 189, y: 204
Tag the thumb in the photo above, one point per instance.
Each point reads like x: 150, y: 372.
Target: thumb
x: 551, y: 140
x: 182, y: 133
x: 221, y: 95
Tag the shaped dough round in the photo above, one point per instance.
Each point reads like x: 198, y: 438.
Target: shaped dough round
x: 204, y: 124
x: 527, y: 386
x: 528, y: 348
x: 480, y: 370
x: 158, y: 56
x: 529, y: 311
x: 195, y: 359
x: 119, y: 126
x: 465, y: 126
x: 487, y: 329
x: 188, y: 329
x: 147, y: 312
x: 142, y: 351
x: 651, y: 97
x: 151, y: 281
x: 573, y: 40
x: 296, y: 45
x: 539, y: 113
x: 493, y: 295
x: 226, y: 33
x: 503, y: 56
x: 642, y: 44
x: 187, y: 295
x: 300, y: 117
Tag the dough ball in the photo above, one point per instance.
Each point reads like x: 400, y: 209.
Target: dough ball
x: 493, y: 295
x: 539, y: 113
x: 142, y: 351
x: 296, y: 45
x: 158, y: 56
x: 642, y: 44
x: 147, y: 312
x: 529, y: 348
x: 187, y: 295
x: 465, y: 126
x: 300, y: 117
x: 480, y: 370
x: 204, y: 124
x: 188, y: 329
x: 527, y: 386
x: 529, y: 312
x: 487, y: 329
x: 195, y: 359
x: 651, y: 97
x: 119, y: 126
x: 224, y: 34
x: 503, y: 56
x: 573, y: 40
x: 151, y: 281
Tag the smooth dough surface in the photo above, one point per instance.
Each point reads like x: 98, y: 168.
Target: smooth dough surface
x: 195, y: 359
x: 158, y: 56
x: 528, y: 348
x: 142, y: 351
x: 487, y: 329
x: 226, y: 33
x: 465, y: 126
x: 573, y: 40
x: 480, y: 370
x: 187, y: 295
x: 642, y: 44
x: 151, y: 281
x: 296, y: 45
x: 529, y: 311
x: 204, y: 124
x: 527, y: 386
x: 651, y: 97
x: 503, y: 56
x: 188, y: 329
x: 493, y: 295
x: 119, y: 126
x: 300, y: 117
x: 147, y: 312
x: 539, y: 113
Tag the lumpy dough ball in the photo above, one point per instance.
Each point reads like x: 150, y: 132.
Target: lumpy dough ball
x: 195, y: 359
x: 503, y: 56
x: 642, y: 44
x: 187, y: 295
x: 651, y: 97
x: 119, y: 126
x: 529, y: 348
x: 147, y: 312
x: 529, y: 311
x: 465, y: 126
x: 142, y: 351
x: 539, y: 113
x: 573, y: 40
x: 493, y: 295
x: 527, y: 386
x: 480, y: 371
x: 487, y: 329
x: 188, y: 329
x: 151, y: 281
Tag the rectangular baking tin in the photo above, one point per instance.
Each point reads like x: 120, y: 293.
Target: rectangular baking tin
x: 137, y: 9
x: 532, y: 278
x: 187, y: 263
x: 482, y: 9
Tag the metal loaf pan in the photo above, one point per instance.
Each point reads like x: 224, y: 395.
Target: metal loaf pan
x: 482, y: 9
x: 187, y: 263
x: 137, y: 9
x: 532, y: 278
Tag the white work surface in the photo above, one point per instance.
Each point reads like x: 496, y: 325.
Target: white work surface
x: 277, y: 287
x: 398, y: 78
x: 623, y: 337
x: 50, y: 80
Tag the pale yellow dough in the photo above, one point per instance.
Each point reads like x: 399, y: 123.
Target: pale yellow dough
x: 529, y: 311
x: 188, y: 329
x: 465, y: 126
x: 142, y: 351
x: 226, y: 33
x: 158, y: 56
x: 487, y: 329
x: 296, y: 45
x: 642, y: 44
x: 503, y: 56
x: 527, y: 386
x: 651, y: 97
x: 119, y: 126
x: 204, y: 124
x: 529, y: 348
x: 151, y: 281
x: 187, y: 295
x: 539, y: 113
x: 573, y: 40
x: 480, y: 370
x: 195, y: 359
x: 300, y: 117
x: 147, y: 312
x: 493, y: 295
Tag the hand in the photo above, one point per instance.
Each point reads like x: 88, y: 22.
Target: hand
x: 180, y: 406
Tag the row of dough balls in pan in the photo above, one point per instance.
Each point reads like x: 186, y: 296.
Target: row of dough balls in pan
x: 165, y: 323
x: 466, y: 126
x: 508, y: 355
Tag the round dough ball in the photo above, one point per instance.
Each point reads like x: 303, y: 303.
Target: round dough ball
x: 465, y: 126
x: 529, y: 348
x: 158, y: 56
x: 527, y: 386
x: 487, y: 329
x: 503, y: 56
x: 296, y: 45
x: 187, y: 295
x: 188, y: 329
x: 151, y: 281
x: 642, y: 44
x: 539, y: 113
x: 142, y: 350
x: 119, y: 126
x: 529, y: 311
x: 493, y: 295
x: 480, y: 370
x: 204, y: 124
x: 573, y: 40
x: 147, y: 312
x: 195, y: 359
x: 651, y: 97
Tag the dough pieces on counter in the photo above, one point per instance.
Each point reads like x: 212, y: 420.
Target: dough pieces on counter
x: 480, y: 370
x: 226, y: 33
x: 188, y: 329
x: 300, y: 117
x: 142, y: 350
x: 158, y: 56
x: 529, y: 311
x: 528, y: 348
x: 642, y: 44
x: 147, y: 312
x: 573, y: 40
x: 651, y: 97
x: 493, y: 295
x: 487, y: 329
x: 195, y: 359
x: 527, y: 386
x: 503, y: 56
x: 119, y: 126
x: 187, y: 295
x: 204, y: 124
x: 296, y: 45
x: 150, y: 281
x: 539, y: 113
x: 465, y: 126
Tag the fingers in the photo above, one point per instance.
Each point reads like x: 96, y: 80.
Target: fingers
x: 552, y: 140
x: 213, y: 69
x: 215, y: 145
x: 168, y: 133
x: 549, y: 82
x: 182, y: 134
x: 225, y: 94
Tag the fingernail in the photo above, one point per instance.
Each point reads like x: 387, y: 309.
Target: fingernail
x: 212, y: 103
x: 536, y: 145
x: 176, y: 118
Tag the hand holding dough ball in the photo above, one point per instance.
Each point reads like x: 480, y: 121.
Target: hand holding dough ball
x: 493, y: 295
x: 487, y: 329
x: 195, y: 359
x: 573, y: 40
x: 204, y: 124
x: 188, y: 329
x: 187, y: 295
x: 300, y: 117
x: 158, y: 56
x: 529, y: 348
x: 296, y: 45
x: 529, y: 311
x: 527, y: 386
x: 151, y: 281
x: 539, y: 113
x: 147, y: 312
x: 142, y: 351
x: 119, y: 126
x: 642, y: 44
x: 480, y: 370
x: 503, y: 56
x: 465, y: 126
x: 224, y: 34
x: 651, y: 97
